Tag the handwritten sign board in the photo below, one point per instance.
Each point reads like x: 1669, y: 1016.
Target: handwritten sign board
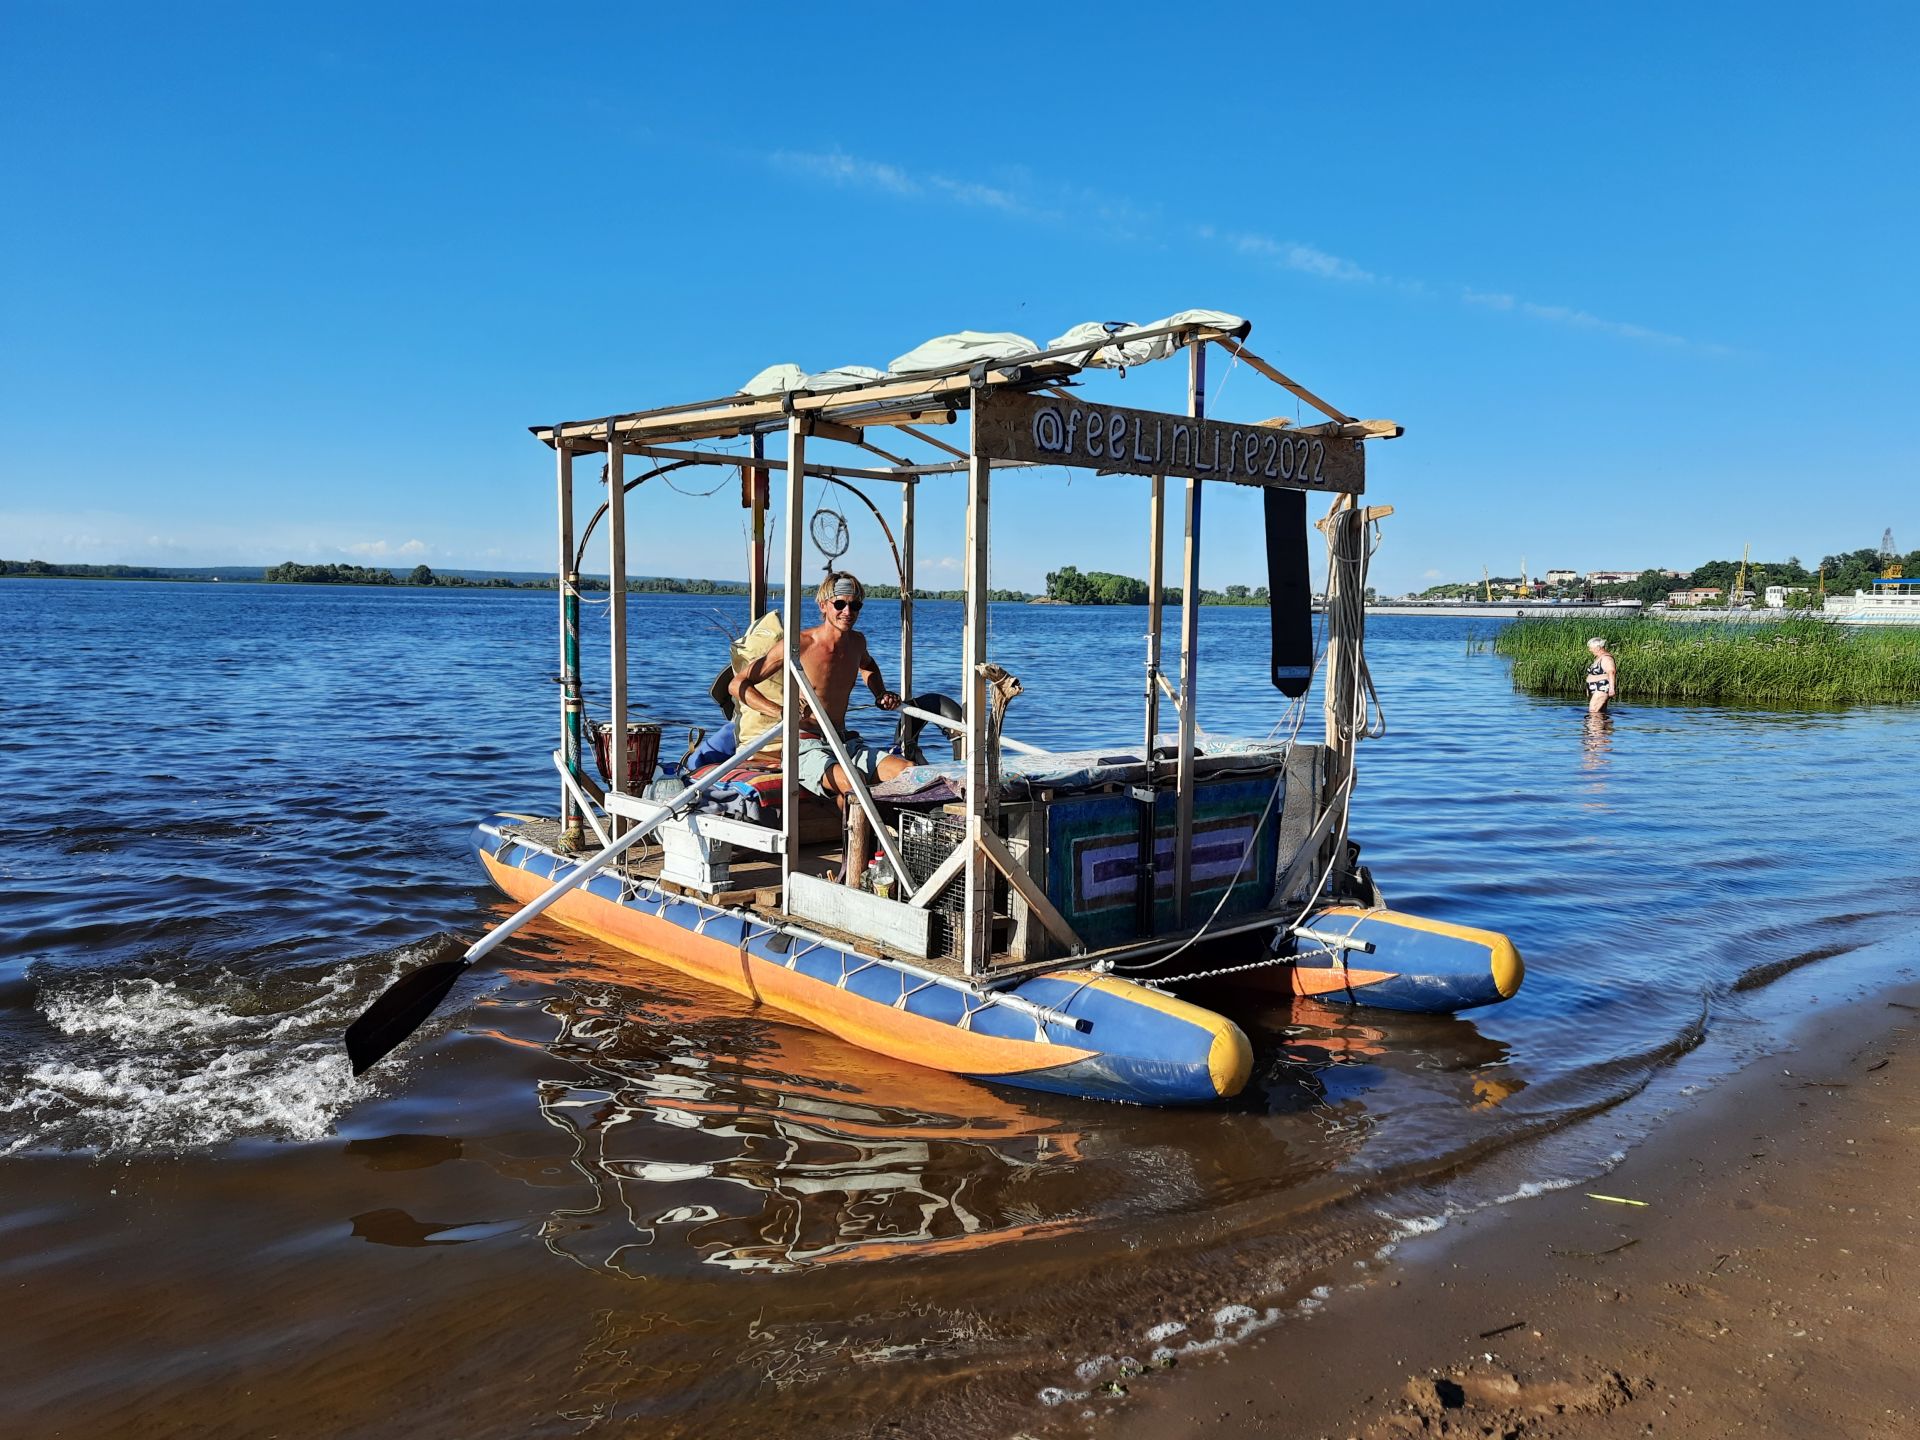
x: 1043, y: 429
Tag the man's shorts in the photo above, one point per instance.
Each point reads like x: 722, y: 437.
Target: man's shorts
x: 816, y: 759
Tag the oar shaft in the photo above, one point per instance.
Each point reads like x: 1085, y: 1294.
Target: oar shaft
x: 597, y: 862
x: 959, y: 727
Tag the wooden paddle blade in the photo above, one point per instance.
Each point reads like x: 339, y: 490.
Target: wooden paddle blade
x: 399, y: 1011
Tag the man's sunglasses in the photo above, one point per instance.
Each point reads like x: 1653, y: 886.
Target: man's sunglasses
x: 853, y: 605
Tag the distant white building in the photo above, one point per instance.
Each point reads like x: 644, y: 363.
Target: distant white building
x: 1562, y: 577
x: 1612, y: 577
x: 1776, y: 597
x: 1700, y: 595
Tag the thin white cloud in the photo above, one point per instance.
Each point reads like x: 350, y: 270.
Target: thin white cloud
x: 383, y: 549
x: 1581, y: 320
x: 968, y: 192
x: 844, y: 169
x: 839, y: 168
x: 1294, y: 255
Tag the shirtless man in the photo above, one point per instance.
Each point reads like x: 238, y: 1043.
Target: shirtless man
x: 832, y: 653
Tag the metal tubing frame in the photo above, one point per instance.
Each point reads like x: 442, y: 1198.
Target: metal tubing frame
x: 583, y: 806
x: 908, y: 494
x: 982, y: 807
x: 977, y: 948
x: 1189, y: 655
x: 790, y: 627
x: 1156, y: 599
x: 568, y: 578
x: 617, y: 620
x: 959, y: 727
x: 797, y: 678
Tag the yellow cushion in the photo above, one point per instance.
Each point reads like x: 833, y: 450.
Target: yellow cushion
x: 749, y: 722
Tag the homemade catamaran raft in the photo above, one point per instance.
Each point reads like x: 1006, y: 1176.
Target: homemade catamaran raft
x: 1045, y: 901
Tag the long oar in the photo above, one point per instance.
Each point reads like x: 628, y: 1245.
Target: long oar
x: 403, y: 1005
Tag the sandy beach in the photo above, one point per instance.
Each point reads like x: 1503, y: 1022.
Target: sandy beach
x: 1761, y: 1287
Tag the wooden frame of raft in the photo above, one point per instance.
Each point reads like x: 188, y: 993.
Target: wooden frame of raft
x: 1018, y: 416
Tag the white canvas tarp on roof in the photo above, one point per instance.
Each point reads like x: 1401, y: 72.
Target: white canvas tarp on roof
x: 1114, y: 350
x: 957, y: 351
x: 1111, y: 351
x: 775, y: 380
x: 1109, y: 345
x: 841, y: 375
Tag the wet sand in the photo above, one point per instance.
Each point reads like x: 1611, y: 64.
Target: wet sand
x: 1764, y: 1287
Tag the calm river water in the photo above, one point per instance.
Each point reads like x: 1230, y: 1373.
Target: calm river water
x: 595, y: 1197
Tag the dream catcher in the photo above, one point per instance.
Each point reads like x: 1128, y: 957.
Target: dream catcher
x: 830, y: 537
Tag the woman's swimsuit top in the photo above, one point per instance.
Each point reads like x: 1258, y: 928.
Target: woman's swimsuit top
x: 1597, y: 678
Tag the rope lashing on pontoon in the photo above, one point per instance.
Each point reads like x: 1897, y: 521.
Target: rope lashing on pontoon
x: 1263, y: 963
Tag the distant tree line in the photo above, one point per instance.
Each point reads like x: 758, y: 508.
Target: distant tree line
x: 892, y: 592
x: 664, y: 585
x: 292, y: 573
x: 1071, y: 586
x: 86, y: 572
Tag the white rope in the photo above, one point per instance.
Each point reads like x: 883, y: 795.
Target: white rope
x: 1221, y: 383
x: 1261, y: 964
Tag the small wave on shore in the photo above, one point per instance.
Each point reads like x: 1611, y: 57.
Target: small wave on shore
x: 119, y: 1064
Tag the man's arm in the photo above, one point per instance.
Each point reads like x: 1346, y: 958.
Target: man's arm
x: 870, y: 668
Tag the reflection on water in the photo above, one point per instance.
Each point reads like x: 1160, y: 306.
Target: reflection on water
x: 1597, y: 741
x: 761, y: 1163
x: 712, y: 1139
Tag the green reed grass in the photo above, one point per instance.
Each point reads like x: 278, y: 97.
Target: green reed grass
x: 1781, y: 662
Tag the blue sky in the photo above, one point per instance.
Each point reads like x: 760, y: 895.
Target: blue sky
x: 289, y: 282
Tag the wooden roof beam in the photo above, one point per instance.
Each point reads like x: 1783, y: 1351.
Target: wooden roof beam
x: 1351, y: 429
x: 826, y: 471
x: 932, y: 440
x: 1240, y: 352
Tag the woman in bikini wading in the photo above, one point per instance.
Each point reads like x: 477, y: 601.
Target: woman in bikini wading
x: 1603, y: 677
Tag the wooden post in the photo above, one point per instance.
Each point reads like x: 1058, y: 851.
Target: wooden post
x: 791, y: 624
x: 1156, y: 598
x: 568, y: 586
x: 1189, y: 655
x: 1344, y: 528
x: 617, y: 612
x: 757, y: 500
x: 859, y: 847
x: 982, y: 805
x: 1147, y: 876
x: 907, y: 493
